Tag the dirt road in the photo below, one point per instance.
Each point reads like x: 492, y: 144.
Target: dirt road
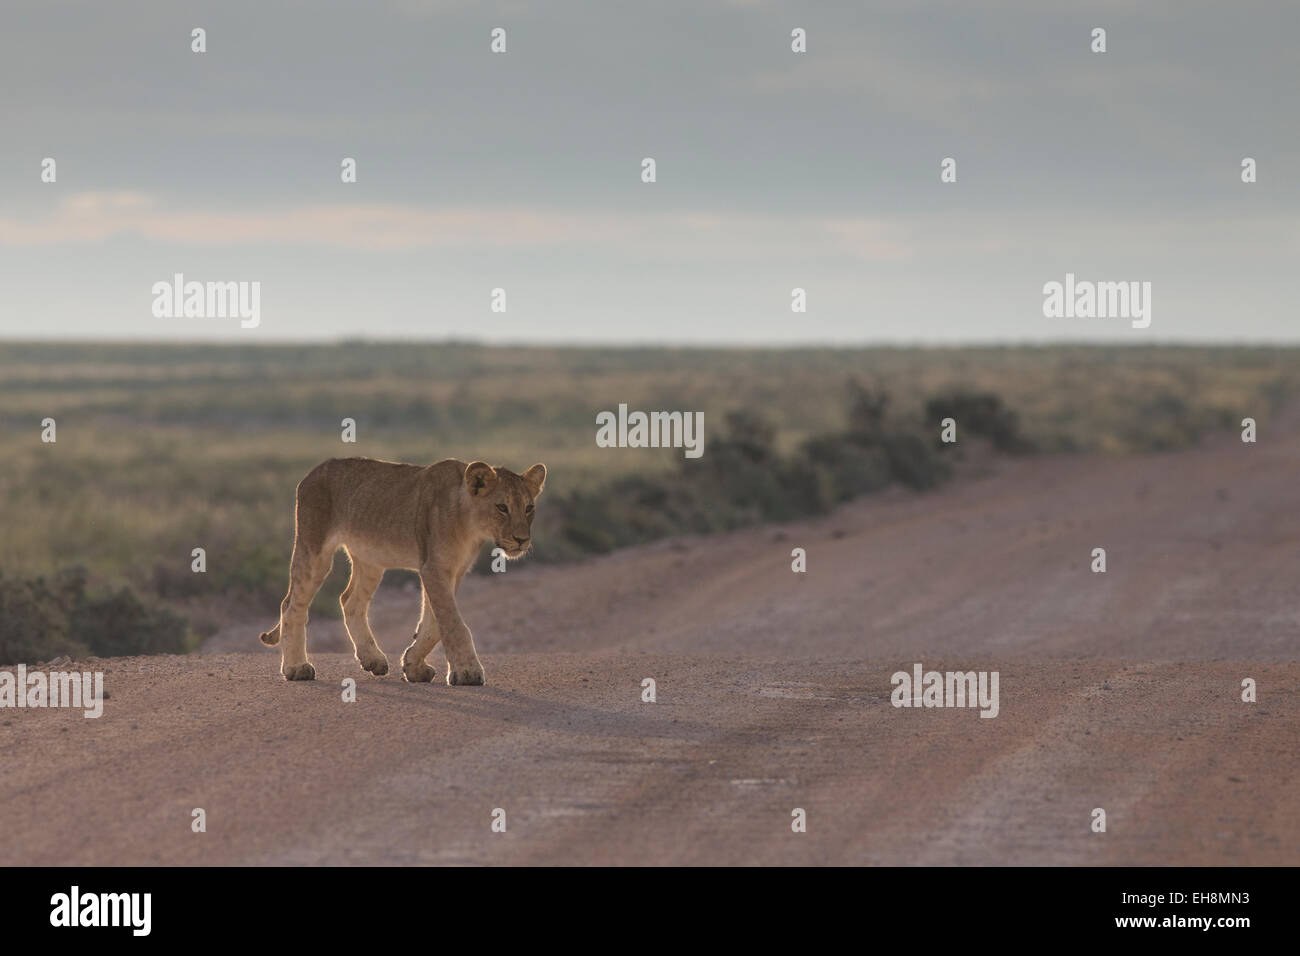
x: 1119, y: 691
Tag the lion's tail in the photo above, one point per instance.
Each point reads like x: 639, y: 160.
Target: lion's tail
x: 272, y: 637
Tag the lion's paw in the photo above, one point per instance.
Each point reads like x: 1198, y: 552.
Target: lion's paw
x: 303, y: 671
x: 468, y: 676
x: 418, y: 672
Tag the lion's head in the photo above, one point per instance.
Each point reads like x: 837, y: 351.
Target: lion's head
x: 503, y: 504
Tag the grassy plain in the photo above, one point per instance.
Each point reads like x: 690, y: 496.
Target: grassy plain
x: 164, y: 448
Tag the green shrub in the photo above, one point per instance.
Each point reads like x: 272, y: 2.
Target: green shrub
x: 852, y: 468
x: 33, y: 622
x: 979, y: 413
x: 40, y: 620
x: 744, y: 480
x: 119, y: 623
x: 913, y: 461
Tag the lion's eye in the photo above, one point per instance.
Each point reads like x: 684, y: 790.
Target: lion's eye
x: 503, y: 509
x: 528, y: 510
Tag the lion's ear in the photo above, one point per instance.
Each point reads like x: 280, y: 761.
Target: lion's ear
x: 480, y: 478
x: 535, y: 478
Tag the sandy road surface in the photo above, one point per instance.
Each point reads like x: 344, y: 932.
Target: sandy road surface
x: 1119, y: 691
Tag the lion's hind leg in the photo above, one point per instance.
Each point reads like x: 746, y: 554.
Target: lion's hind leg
x: 356, y: 603
x: 307, y: 572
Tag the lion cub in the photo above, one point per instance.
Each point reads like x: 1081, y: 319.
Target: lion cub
x: 430, y: 519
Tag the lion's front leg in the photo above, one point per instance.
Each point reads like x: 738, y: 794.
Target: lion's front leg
x: 414, y: 668
x: 463, y: 665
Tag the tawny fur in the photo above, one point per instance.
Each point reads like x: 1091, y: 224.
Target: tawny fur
x: 386, y: 514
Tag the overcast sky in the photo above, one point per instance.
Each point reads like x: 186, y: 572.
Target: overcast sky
x: 775, y: 170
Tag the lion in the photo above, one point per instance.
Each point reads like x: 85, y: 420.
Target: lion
x: 387, y: 514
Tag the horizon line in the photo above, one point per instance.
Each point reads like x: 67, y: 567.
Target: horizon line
x: 577, y: 345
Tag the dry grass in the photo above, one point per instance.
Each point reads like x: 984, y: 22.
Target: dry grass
x: 165, y: 448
